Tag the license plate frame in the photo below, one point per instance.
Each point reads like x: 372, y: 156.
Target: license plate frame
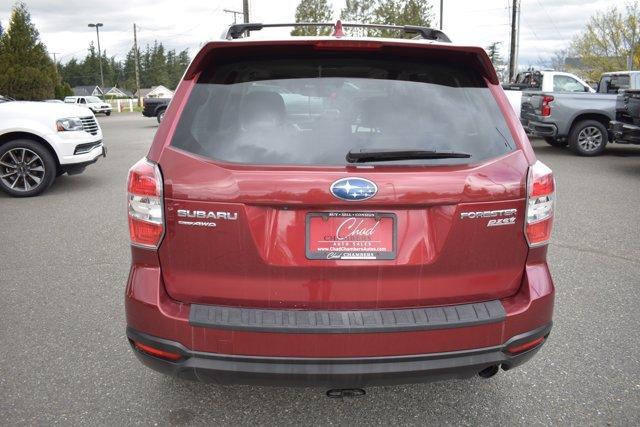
x: 355, y: 254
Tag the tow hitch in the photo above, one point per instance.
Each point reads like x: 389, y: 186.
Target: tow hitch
x: 341, y: 393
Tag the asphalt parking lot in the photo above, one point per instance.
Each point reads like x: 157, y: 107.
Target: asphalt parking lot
x: 64, y: 259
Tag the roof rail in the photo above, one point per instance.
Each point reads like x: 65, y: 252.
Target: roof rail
x: 236, y: 31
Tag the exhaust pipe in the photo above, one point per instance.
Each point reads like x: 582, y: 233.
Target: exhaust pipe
x: 489, y: 372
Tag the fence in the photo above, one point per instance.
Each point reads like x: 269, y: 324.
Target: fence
x: 121, y: 105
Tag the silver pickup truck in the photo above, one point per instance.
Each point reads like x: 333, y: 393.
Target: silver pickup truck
x: 579, y: 120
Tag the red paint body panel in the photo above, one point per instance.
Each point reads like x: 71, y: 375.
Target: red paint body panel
x: 258, y: 260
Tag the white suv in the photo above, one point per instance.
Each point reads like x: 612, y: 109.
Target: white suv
x: 93, y: 103
x: 41, y: 140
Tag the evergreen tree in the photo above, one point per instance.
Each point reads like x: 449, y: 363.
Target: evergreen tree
x: 63, y: 90
x: 176, y: 66
x: 91, y: 67
x: 358, y: 11
x: 26, y: 71
x: 145, y: 66
x: 182, y: 63
x: 129, y: 71
x: 72, y: 73
x: 415, y: 12
x: 493, y: 50
x: 158, y: 66
x: 402, y: 12
x: 313, y: 11
x: 171, y: 66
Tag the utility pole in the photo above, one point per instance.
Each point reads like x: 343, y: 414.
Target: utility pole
x: 518, y: 34
x: 512, y: 54
x: 137, y: 63
x: 97, y: 26
x: 441, y: 9
x: 245, y: 10
x: 55, y: 60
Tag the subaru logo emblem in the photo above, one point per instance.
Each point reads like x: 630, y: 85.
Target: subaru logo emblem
x: 353, y: 189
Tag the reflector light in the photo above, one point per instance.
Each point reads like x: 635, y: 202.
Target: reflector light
x: 146, y: 222
x: 521, y: 348
x: 156, y: 352
x: 540, y: 204
x: 143, y: 233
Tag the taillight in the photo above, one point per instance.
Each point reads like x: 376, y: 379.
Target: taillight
x: 144, y: 187
x: 546, y: 108
x: 540, y: 204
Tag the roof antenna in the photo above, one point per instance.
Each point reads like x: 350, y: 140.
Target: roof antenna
x: 337, y: 29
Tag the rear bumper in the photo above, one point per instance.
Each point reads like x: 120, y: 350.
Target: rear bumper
x: 291, y: 351
x: 541, y: 129
x: 625, y: 133
x: 332, y: 372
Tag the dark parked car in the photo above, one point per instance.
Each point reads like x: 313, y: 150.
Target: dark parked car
x: 396, y: 231
x: 155, y: 107
x: 626, y: 127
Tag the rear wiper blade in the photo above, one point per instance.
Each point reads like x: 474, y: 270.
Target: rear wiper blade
x: 364, y: 155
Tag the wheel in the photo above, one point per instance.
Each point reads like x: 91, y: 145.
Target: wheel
x: 26, y: 168
x: 108, y: 113
x: 160, y: 116
x: 588, y: 138
x: 555, y: 142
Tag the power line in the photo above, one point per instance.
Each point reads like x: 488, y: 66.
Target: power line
x: 550, y: 20
x: 235, y: 14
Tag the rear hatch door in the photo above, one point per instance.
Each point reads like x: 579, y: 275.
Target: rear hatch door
x: 263, y: 209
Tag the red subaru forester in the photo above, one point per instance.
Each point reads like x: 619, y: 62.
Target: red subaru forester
x: 339, y: 211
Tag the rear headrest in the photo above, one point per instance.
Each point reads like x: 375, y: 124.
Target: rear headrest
x: 378, y: 112
x: 258, y: 104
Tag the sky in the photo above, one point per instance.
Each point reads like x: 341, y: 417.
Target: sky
x: 546, y: 25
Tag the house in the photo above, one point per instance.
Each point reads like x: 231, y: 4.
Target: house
x: 115, y: 92
x: 87, y: 91
x: 155, y: 92
x: 103, y: 92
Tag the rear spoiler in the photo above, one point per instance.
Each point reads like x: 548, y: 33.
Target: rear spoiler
x: 224, y: 50
x: 236, y: 31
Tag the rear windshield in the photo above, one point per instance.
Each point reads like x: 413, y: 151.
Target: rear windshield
x: 615, y: 83
x: 313, y: 111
